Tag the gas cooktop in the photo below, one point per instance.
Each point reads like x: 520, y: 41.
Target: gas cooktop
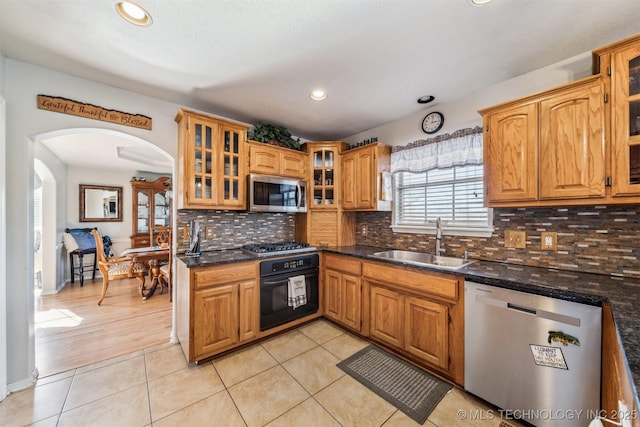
x: 278, y: 248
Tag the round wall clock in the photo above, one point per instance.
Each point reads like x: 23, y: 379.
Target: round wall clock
x: 432, y: 122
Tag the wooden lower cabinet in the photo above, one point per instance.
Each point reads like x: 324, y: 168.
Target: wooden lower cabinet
x: 617, y: 384
x: 343, y: 291
x: 419, y: 314
x: 386, y: 321
x: 217, y: 307
x: 427, y: 334
x: 417, y: 326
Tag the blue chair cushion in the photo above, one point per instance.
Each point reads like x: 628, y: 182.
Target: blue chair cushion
x: 83, y: 238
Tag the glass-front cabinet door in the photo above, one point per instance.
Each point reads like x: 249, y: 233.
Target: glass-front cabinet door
x: 324, y: 193
x: 626, y: 121
x: 161, y: 210
x: 212, y: 162
x: 142, y: 198
x: 232, y: 167
x: 201, y: 188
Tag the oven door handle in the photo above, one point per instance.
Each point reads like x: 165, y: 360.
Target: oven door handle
x: 265, y: 282
x: 283, y: 281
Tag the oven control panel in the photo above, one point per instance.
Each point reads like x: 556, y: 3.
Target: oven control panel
x: 289, y: 264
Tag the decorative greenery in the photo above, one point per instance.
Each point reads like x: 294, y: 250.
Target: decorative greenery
x: 272, y: 134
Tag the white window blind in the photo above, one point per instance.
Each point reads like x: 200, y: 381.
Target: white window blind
x: 455, y: 195
x: 441, y: 178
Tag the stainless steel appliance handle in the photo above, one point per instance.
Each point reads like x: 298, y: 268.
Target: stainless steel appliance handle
x: 543, y: 314
x: 299, y: 203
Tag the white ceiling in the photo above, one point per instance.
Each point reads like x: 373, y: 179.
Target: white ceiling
x: 257, y: 60
x: 107, y: 151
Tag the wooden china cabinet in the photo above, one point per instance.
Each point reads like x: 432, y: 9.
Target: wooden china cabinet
x: 151, y: 207
x: 211, y: 162
x: 325, y: 223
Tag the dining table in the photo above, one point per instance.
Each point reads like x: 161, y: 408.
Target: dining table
x: 151, y: 256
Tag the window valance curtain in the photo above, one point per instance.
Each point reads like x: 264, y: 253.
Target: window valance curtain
x: 462, y: 147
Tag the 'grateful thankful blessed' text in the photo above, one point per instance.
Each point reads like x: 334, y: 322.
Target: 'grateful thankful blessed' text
x: 75, y: 108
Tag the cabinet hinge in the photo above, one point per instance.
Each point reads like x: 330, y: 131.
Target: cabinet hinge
x: 608, y: 182
x: 606, y: 98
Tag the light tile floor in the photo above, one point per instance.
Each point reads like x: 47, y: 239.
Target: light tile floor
x: 288, y: 380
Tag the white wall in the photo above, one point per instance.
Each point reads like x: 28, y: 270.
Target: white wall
x: 24, y: 123
x: 119, y: 232
x: 3, y: 234
x: 463, y: 113
x: 53, y: 194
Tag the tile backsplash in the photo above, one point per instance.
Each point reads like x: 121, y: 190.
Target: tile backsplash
x: 234, y: 229
x: 596, y: 239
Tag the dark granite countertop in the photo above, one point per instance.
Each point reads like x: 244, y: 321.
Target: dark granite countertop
x: 586, y: 288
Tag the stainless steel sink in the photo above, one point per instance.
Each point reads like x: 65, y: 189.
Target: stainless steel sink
x: 421, y: 258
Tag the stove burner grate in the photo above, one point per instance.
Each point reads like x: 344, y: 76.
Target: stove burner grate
x: 284, y: 247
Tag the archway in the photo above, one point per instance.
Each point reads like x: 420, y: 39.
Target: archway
x: 56, y: 182
x: 48, y: 243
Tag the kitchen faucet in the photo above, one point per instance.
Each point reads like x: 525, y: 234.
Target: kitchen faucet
x: 438, y: 237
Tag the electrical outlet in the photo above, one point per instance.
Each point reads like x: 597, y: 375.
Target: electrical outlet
x: 209, y: 232
x: 549, y: 241
x: 515, y: 239
x: 365, y: 230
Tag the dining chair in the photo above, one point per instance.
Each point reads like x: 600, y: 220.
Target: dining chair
x: 164, y: 237
x: 116, y: 267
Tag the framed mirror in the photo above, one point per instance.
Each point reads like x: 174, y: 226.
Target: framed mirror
x: 100, y: 203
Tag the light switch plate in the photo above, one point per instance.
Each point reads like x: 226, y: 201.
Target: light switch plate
x: 549, y: 241
x: 209, y: 232
x: 515, y: 239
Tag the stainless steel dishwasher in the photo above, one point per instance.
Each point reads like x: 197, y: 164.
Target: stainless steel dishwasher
x: 535, y: 357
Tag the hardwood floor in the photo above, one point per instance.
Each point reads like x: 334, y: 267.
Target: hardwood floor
x: 73, y: 331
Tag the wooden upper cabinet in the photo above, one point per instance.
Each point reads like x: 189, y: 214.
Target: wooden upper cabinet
x: 271, y: 160
x: 586, y: 135
x: 548, y: 148
x: 625, y: 119
x: 326, y: 222
x: 211, y: 162
x: 511, y: 154
x: 361, y: 178
x: 572, y: 143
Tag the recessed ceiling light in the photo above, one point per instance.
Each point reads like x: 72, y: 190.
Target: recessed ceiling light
x: 479, y: 2
x: 318, y: 95
x: 425, y: 99
x: 133, y: 13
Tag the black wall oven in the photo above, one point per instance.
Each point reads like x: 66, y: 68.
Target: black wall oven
x: 274, y: 296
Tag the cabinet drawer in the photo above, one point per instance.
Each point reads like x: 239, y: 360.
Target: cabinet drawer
x: 442, y: 285
x: 342, y: 263
x: 141, y: 242
x: 224, y: 274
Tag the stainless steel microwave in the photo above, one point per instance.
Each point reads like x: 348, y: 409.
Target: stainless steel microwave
x: 276, y: 194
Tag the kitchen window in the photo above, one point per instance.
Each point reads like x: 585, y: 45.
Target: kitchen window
x: 443, y: 179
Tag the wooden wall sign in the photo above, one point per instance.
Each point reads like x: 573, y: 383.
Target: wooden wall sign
x: 75, y: 108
